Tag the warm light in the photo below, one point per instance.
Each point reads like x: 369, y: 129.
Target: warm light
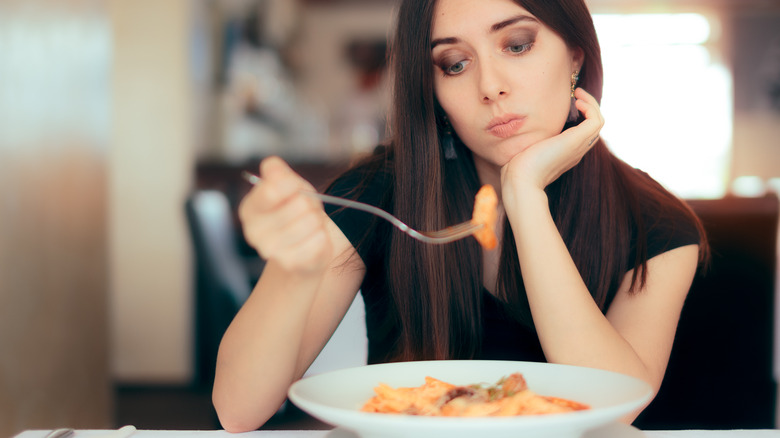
x: 656, y: 29
x: 667, y: 100
x: 748, y: 186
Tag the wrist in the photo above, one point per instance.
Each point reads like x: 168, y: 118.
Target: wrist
x: 294, y: 277
x: 523, y: 196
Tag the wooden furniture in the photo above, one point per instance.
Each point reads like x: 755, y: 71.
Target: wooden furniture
x: 720, y: 375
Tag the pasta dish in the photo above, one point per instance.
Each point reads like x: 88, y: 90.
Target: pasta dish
x: 510, y: 396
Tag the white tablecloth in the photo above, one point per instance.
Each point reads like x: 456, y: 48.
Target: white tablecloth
x: 626, y: 431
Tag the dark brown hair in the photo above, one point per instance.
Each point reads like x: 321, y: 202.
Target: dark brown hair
x: 435, y: 291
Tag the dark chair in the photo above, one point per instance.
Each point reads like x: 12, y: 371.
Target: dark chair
x: 222, y: 277
x: 720, y: 374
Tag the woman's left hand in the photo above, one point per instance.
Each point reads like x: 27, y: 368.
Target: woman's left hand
x: 542, y: 163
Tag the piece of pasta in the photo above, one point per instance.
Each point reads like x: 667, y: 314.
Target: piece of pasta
x: 486, y: 214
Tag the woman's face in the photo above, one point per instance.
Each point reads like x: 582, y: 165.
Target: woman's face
x: 502, y: 77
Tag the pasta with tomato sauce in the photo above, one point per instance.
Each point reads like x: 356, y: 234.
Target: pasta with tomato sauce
x: 509, y: 397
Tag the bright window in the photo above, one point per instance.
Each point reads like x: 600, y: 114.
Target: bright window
x: 667, y: 99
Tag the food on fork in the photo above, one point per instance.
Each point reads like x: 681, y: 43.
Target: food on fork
x: 486, y: 214
x: 509, y: 397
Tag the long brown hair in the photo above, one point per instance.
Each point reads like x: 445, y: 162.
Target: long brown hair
x: 436, y: 291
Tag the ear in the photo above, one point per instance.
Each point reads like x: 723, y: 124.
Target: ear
x: 577, y: 58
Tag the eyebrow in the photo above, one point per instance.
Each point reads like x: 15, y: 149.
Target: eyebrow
x: 493, y: 29
x: 510, y: 21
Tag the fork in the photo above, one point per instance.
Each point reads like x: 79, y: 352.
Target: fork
x: 60, y: 433
x: 445, y: 235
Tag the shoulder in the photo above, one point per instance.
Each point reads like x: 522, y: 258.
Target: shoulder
x: 665, y: 221
x: 369, y: 181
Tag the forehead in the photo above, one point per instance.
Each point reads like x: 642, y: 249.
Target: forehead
x: 455, y: 16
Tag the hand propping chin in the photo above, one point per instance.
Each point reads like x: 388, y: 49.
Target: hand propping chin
x: 544, y: 162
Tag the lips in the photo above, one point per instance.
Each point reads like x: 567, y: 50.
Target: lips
x: 505, y: 126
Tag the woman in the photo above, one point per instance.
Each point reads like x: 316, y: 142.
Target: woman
x: 595, y: 258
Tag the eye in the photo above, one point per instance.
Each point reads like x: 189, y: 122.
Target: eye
x: 451, y: 67
x: 455, y: 68
x: 519, y: 48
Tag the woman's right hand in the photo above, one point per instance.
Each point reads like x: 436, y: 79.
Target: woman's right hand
x: 284, y: 224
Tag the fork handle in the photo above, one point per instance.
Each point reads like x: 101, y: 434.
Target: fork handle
x: 335, y: 200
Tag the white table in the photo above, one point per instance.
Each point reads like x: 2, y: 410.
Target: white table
x: 623, y: 431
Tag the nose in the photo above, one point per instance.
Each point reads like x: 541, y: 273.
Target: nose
x: 493, y: 83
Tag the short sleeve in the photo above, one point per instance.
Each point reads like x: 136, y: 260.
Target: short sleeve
x: 361, y: 229
x: 667, y: 227
x: 670, y: 231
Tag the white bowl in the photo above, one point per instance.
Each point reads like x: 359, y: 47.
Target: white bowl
x: 336, y: 398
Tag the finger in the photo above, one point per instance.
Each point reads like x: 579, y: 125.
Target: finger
x: 589, y: 130
x: 590, y: 127
x: 588, y: 105
x: 286, y: 224
x: 280, y: 182
x: 273, y: 167
x: 594, y: 120
x: 581, y: 94
x: 276, y: 169
x: 295, y: 231
x: 300, y: 205
x: 586, y: 132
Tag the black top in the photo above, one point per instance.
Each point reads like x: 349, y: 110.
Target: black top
x: 504, y: 337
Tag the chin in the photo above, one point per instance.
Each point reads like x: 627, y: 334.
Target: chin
x: 516, y: 145
x: 500, y: 153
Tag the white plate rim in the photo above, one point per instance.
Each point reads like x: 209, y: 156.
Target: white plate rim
x: 353, y: 419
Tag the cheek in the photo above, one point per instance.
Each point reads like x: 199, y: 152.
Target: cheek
x: 563, y: 103
x: 463, y: 131
x: 458, y: 113
x: 557, y: 101
x: 447, y: 98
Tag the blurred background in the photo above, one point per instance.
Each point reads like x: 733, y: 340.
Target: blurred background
x: 117, y: 115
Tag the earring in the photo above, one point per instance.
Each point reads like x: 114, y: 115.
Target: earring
x: 448, y: 142
x: 575, y: 77
x: 449, y: 145
x: 573, y: 112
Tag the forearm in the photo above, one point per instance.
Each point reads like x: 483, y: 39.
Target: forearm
x: 258, y: 356
x: 571, y: 327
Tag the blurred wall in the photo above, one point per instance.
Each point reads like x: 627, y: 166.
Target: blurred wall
x: 55, y: 63
x: 748, y: 33
x: 328, y: 77
x: 755, y: 56
x: 153, y: 143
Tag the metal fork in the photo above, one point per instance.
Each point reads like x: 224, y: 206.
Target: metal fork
x: 60, y: 433
x: 445, y: 235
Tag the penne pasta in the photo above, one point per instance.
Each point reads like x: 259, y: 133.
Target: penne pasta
x: 485, y: 213
x: 509, y: 397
